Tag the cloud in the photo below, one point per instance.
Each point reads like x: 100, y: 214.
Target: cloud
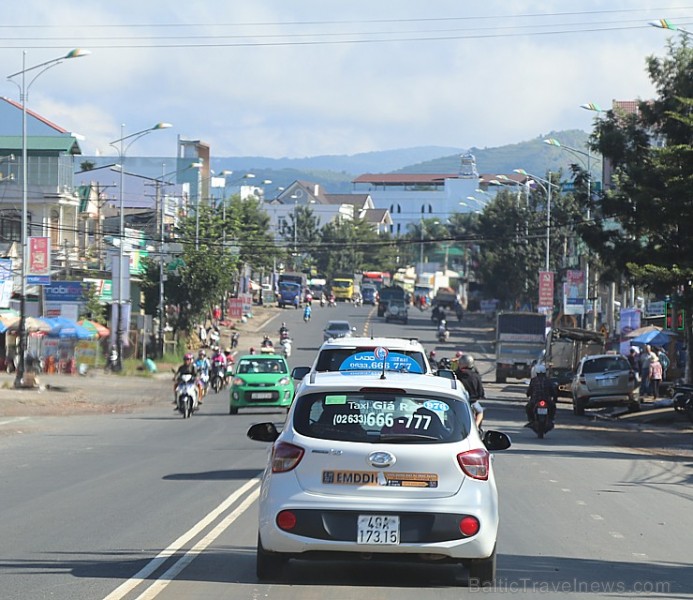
x: 304, y: 78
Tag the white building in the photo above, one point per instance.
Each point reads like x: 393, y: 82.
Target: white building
x: 410, y: 197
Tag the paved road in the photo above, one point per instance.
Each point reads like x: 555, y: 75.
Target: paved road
x: 144, y: 504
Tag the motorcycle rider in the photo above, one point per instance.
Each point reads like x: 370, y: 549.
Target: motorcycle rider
x: 307, y: 313
x: 267, y: 342
x: 219, y: 363
x: 284, y: 331
x: 187, y: 368
x: 203, y: 370
x: 432, y: 359
x: 541, y: 388
x: 471, y: 380
x: 443, y: 330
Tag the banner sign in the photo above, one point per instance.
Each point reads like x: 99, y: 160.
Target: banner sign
x: 574, y: 293
x: 6, y: 282
x: 39, y: 264
x: 64, y: 291
x: 546, y: 289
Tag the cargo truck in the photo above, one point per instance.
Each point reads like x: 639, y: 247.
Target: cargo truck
x: 565, y: 346
x: 520, y: 341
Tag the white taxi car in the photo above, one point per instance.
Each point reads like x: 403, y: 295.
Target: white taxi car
x: 357, y: 353
x: 373, y: 466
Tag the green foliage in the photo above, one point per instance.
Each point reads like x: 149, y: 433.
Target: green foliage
x: 643, y: 221
x: 93, y: 309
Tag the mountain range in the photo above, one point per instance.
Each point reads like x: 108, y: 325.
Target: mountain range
x: 336, y: 172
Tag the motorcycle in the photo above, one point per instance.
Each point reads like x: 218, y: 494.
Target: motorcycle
x: 186, y: 395
x: 218, y: 379
x: 306, y: 315
x: 283, y: 334
x: 358, y: 302
x: 443, y: 333
x: 541, y: 422
x: 683, y: 399
x: 234, y: 339
x: 286, y: 347
x: 322, y: 300
x: 332, y: 302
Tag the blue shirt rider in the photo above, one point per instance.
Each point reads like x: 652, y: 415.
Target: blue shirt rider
x: 306, y: 312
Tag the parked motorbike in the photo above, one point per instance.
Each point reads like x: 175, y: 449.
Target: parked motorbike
x: 683, y: 399
x: 186, y: 395
x: 286, y: 347
x: 541, y: 422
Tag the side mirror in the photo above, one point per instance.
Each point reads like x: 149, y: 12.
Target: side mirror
x: 263, y: 432
x: 495, y: 440
x: 447, y: 373
x: 298, y: 373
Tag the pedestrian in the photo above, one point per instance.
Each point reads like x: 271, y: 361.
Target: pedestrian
x: 634, y: 362
x: 645, y: 359
x: 655, y: 376
x: 665, y: 362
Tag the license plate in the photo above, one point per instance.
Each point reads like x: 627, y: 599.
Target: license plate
x: 542, y: 411
x: 378, y: 529
x: 262, y: 395
x: 606, y: 382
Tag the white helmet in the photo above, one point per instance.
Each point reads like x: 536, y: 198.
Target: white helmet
x: 540, y: 369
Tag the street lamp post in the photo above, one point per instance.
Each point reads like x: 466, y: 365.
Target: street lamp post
x: 666, y: 24
x: 547, y: 190
x: 24, y: 97
x: 122, y: 148
x: 588, y: 156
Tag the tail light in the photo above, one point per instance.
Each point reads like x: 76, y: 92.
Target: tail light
x: 286, y: 520
x: 285, y: 457
x: 475, y: 463
x: 542, y: 403
x: 469, y: 526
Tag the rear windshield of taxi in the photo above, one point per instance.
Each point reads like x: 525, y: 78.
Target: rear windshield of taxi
x: 379, y: 417
x: 363, y: 358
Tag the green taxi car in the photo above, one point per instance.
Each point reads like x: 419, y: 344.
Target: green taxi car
x: 261, y: 380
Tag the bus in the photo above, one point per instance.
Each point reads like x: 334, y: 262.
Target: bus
x: 376, y: 278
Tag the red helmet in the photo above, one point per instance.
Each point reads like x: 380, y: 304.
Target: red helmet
x: 188, y: 356
x: 458, y: 353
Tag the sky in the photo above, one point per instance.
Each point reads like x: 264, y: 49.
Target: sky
x: 302, y: 78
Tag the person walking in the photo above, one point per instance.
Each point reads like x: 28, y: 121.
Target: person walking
x: 645, y: 360
x: 655, y: 375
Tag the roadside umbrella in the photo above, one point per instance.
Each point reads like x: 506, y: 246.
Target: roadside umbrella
x: 654, y: 338
x: 64, y: 328
x: 32, y: 324
x: 96, y: 328
x: 642, y: 330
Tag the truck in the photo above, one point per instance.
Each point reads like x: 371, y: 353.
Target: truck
x: 289, y: 292
x: 299, y: 278
x: 343, y: 288
x: 388, y: 293
x: 565, y: 346
x: 520, y: 341
x: 446, y: 298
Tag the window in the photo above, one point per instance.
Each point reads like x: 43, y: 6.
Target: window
x: 382, y: 416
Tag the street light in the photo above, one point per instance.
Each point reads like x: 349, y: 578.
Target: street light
x: 122, y: 148
x: 24, y: 97
x: 666, y: 24
x: 547, y: 190
x: 588, y: 155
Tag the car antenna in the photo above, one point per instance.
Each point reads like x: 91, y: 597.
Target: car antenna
x: 382, y: 375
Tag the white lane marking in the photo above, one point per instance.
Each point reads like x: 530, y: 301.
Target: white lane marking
x: 617, y: 535
x: 13, y: 420
x: 597, y: 517
x: 565, y: 490
x: 125, y: 588
x: 160, y: 584
x: 581, y: 502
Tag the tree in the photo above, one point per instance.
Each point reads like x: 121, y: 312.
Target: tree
x: 642, y: 224
x: 302, y: 236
